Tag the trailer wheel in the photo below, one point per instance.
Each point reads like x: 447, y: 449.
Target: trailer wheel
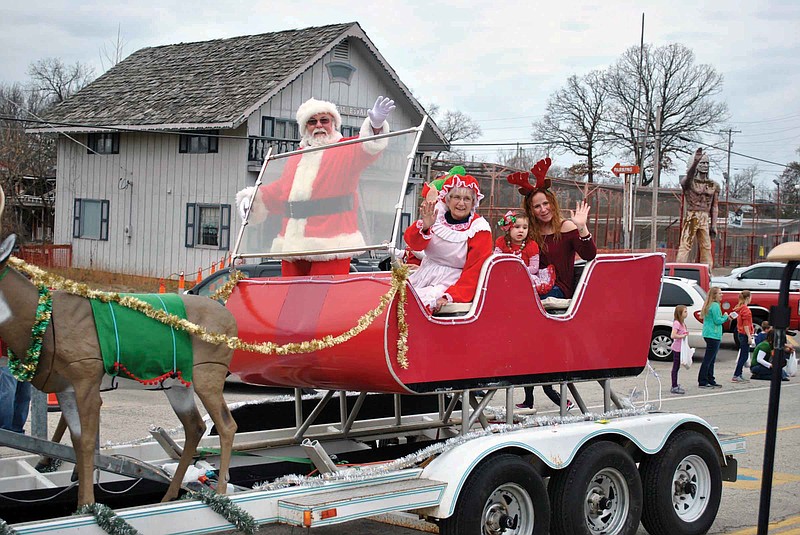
x: 504, y: 494
x: 600, y: 492
x: 683, y: 485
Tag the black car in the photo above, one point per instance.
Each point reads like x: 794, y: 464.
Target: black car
x: 269, y: 268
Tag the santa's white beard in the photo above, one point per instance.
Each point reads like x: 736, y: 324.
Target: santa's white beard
x: 313, y: 140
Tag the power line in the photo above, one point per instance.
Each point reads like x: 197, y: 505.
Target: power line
x: 777, y: 119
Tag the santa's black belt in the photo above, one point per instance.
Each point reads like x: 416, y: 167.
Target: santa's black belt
x: 324, y: 206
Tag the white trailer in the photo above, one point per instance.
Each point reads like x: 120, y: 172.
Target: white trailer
x: 582, y: 474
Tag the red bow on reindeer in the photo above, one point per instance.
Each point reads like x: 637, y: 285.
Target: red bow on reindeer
x: 521, y: 178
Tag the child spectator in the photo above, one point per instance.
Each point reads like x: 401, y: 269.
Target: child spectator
x: 516, y: 242
x: 765, y: 328
x: 744, y: 327
x: 679, y: 334
x: 760, y: 363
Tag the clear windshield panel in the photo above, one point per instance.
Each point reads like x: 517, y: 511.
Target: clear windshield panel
x: 340, y: 198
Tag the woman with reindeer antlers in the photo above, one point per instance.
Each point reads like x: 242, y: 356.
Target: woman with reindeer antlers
x: 559, y: 239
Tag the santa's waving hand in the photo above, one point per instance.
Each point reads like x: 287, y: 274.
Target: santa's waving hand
x: 380, y: 111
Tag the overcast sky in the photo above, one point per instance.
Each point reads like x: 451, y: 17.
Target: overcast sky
x: 498, y: 61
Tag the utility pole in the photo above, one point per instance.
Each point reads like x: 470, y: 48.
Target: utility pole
x: 730, y: 131
x: 654, y: 184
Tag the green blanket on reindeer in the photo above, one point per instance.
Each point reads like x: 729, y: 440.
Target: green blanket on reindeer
x: 142, y: 348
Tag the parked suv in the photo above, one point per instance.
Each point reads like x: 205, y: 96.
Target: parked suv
x: 761, y: 276
x: 686, y: 270
x: 677, y: 291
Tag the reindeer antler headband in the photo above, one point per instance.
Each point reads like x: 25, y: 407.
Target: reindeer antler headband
x: 522, y: 178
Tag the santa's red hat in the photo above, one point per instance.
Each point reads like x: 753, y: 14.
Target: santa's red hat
x: 312, y: 107
x: 462, y: 181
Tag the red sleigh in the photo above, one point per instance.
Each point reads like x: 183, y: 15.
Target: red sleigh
x: 504, y: 337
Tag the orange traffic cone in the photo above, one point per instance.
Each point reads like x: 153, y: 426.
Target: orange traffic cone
x: 222, y: 263
x: 161, y: 288
x: 52, y: 403
x: 181, y: 283
x: 213, y: 267
x: 199, y: 276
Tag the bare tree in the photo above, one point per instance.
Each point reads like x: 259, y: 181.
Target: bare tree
x: 741, y: 183
x: 113, y: 52
x: 574, y: 120
x: 27, y: 162
x: 520, y: 158
x: 455, y: 126
x: 55, y: 81
x: 790, y: 189
x: 666, y: 78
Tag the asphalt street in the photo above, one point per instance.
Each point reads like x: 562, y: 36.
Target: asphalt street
x: 734, y: 408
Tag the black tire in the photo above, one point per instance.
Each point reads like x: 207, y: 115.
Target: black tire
x: 735, y: 332
x: 683, y: 486
x: 660, y: 344
x: 600, y: 492
x: 502, y: 489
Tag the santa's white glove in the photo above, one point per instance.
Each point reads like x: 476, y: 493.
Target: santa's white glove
x: 243, y: 207
x: 380, y: 111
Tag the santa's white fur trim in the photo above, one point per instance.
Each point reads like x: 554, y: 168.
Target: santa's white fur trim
x: 373, y: 147
x: 304, y: 176
x: 294, y: 240
x: 312, y: 107
x: 258, y: 212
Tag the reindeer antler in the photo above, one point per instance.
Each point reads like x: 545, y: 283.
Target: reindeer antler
x: 540, y: 172
x: 520, y: 178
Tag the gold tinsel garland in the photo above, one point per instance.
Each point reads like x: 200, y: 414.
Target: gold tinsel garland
x: 399, y: 276
x: 224, y: 291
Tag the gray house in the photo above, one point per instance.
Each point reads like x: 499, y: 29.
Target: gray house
x: 152, y: 153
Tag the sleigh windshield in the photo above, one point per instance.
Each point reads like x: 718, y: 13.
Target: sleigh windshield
x: 344, y: 197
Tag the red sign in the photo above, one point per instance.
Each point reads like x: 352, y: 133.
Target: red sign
x: 627, y: 169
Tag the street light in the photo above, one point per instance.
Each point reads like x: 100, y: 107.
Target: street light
x: 778, y: 213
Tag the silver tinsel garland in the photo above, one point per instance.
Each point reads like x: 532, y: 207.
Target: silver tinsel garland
x: 107, y: 519
x: 5, y: 529
x: 414, y: 459
x: 223, y: 506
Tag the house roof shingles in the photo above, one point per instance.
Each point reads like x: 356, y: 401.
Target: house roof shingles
x: 208, y: 82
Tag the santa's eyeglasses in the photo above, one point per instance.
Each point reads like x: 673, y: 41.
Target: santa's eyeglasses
x: 322, y: 120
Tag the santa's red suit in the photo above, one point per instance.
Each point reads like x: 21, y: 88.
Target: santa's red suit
x: 454, y: 253
x: 316, y: 194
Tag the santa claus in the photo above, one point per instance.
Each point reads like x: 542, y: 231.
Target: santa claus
x: 316, y: 192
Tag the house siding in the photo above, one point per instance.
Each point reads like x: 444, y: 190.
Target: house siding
x: 164, y: 181
x: 151, y: 161
x: 367, y: 83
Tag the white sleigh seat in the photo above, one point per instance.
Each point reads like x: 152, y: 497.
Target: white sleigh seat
x: 467, y: 309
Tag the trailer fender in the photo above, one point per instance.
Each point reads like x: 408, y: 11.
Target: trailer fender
x: 555, y: 446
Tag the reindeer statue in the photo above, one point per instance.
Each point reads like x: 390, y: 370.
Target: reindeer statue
x: 71, y: 365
